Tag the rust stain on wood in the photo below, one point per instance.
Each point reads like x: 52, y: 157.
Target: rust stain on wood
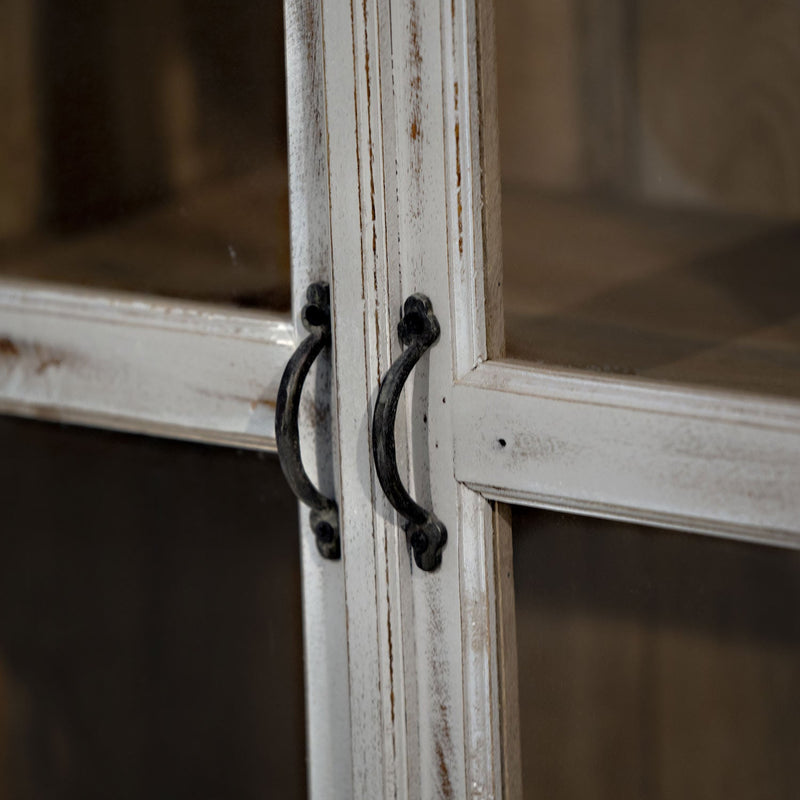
x: 309, y: 30
x: 254, y: 403
x: 36, y: 357
x: 458, y: 173
x: 8, y: 348
x: 47, y: 363
x: 445, y: 783
x: 415, y: 59
x: 442, y: 735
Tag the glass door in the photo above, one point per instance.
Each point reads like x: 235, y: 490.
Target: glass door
x: 650, y: 233
x: 651, y: 193
x: 615, y: 312
x: 151, y: 636
x: 144, y: 204
x: 153, y: 266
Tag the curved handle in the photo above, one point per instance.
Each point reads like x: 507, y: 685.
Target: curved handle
x: 316, y: 317
x: 418, y: 330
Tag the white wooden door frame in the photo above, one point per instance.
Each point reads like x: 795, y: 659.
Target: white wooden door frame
x: 395, y: 189
x: 162, y: 367
x: 713, y: 462
x: 413, y: 186
x: 169, y: 367
x: 409, y: 176
x: 328, y: 722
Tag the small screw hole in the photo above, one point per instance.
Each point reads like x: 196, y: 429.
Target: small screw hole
x: 501, y: 442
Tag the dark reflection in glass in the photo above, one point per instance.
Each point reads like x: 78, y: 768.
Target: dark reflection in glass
x: 145, y: 147
x: 651, y: 188
x: 150, y: 624
x: 655, y: 664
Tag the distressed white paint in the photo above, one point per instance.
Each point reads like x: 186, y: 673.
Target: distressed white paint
x: 399, y: 211
x: 405, y: 195
x: 141, y: 364
x: 375, y: 646
x: 324, y: 621
x: 700, y: 460
x: 473, y: 203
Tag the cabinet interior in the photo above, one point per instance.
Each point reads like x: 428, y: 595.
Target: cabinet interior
x: 145, y: 149
x: 651, y: 188
x: 150, y: 619
x: 654, y: 663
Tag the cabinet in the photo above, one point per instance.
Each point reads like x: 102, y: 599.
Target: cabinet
x: 395, y: 188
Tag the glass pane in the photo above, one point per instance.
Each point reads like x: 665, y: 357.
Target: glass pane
x: 655, y: 664
x: 150, y: 622
x: 651, y: 188
x: 143, y: 147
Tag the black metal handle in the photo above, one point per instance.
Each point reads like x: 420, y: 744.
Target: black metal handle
x: 418, y: 330
x: 316, y: 317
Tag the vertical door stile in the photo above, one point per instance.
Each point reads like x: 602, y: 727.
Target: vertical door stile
x: 363, y: 345
x: 486, y: 570
x: 324, y: 622
x: 411, y: 176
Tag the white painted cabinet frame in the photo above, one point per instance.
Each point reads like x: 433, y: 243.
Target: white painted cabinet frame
x: 200, y: 372
x: 409, y: 175
x: 394, y: 189
x: 411, y: 137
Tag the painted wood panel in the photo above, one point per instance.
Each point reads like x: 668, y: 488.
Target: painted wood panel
x: 139, y: 364
x: 409, y: 177
x: 673, y: 102
x: 721, y: 464
x: 325, y: 641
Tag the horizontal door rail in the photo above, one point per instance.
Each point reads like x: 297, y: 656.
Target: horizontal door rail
x: 700, y: 460
x: 162, y: 367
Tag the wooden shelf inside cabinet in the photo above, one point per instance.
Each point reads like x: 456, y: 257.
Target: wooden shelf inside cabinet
x: 224, y: 242
x: 682, y: 295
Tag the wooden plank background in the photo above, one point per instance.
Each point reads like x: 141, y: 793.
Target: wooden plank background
x: 676, y: 101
